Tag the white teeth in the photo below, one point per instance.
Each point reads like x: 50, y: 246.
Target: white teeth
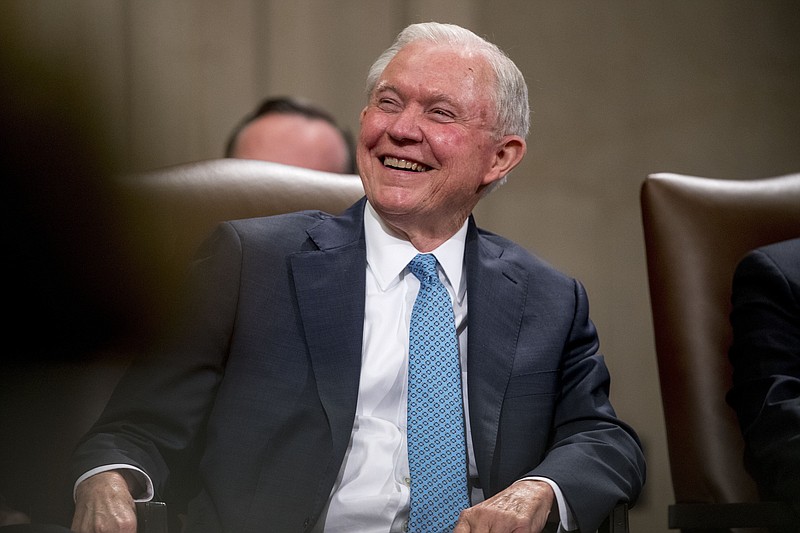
x: 403, y: 164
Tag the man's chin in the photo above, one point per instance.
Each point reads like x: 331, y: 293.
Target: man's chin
x: 395, y: 203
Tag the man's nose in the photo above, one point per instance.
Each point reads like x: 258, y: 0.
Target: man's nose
x: 405, y: 125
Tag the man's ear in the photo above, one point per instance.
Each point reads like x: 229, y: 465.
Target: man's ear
x: 510, y: 151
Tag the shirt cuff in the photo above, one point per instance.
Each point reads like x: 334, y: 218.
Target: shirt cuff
x: 145, y: 490
x: 565, y: 516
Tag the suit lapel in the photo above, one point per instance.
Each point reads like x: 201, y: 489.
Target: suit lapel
x: 330, y: 287
x: 496, y: 290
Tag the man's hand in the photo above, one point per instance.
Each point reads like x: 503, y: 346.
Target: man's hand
x: 521, y: 508
x: 103, y: 504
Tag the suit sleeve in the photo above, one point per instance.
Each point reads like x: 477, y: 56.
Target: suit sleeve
x: 765, y: 355
x: 595, y: 458
x: 160, y: 406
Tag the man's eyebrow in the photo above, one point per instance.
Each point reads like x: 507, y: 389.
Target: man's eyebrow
x: 433, y: 98
x: 385, y: 86
x: 443, y: 98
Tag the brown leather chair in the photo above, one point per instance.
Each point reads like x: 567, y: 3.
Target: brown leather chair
x: 170, y: 210
x: 696, y: 230
x: 181, y: 204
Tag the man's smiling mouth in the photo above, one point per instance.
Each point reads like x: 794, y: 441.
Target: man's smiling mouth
x: 402, y: 164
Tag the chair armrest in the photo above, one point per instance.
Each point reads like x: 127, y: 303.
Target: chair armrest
x: 617, y: 521
x: 151, y: 517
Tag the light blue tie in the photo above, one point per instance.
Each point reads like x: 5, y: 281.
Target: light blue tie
x: 436, y: 447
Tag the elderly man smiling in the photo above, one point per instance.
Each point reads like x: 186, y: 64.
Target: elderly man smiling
x: 392, y: 368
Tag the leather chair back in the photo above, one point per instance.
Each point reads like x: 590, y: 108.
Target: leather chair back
x: 696, y: 230
x: 171, y: 210
x: 181, y: 204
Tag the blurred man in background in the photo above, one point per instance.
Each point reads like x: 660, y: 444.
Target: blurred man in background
x: 293, y: 132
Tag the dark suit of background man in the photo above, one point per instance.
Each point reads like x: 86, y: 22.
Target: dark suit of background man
x: 289, y: 377
x: 766, y: 366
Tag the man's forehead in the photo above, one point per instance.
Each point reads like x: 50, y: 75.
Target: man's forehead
x: 443, y: 65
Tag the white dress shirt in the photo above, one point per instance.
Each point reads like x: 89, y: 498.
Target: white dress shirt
x: 371, y: 493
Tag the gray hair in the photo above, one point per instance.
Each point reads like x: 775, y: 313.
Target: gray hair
x: 510, y: 93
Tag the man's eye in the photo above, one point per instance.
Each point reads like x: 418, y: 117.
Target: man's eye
x: 442, y: 114
x: 387, y: 104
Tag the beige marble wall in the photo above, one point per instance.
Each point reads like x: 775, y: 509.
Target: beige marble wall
x: 619, y: 89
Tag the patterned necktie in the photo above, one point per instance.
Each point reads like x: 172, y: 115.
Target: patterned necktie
x: 436, y: 446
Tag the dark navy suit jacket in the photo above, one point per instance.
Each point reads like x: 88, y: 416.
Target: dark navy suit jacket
x: 264, y: 379
x: 765, y: 354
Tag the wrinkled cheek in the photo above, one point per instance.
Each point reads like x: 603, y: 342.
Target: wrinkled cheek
x: 362, y: 158
x: 365, y: 144
x: 372, y: 127
x: 367, y: 137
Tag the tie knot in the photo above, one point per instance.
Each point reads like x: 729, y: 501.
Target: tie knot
x: 423, y: 266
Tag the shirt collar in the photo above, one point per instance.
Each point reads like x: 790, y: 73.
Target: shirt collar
x: 388, y: 255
